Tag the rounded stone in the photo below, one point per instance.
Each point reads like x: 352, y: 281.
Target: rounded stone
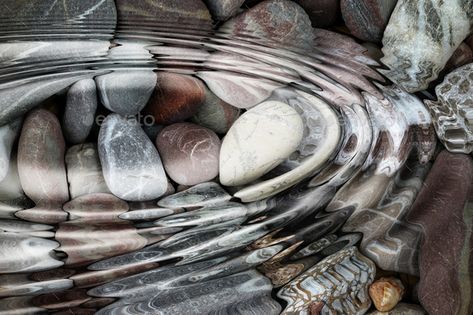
x: 216, y: 114
x: 41, y: 159
x: 80, y: 110
x: 258, y: 141
x: 131, y: 164
x: 176, y: 98
x: 283, y: 21
x: 126, y: 92
x: 367, y: 19
x: 190, y: 153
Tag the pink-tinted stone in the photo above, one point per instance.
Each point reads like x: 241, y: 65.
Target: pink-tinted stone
x: 41, y: 166
x: 444, y: 210
x: 282, y: 21
x: 190, y: 153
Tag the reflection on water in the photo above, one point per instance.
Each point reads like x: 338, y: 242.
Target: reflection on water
x: 68, y: 244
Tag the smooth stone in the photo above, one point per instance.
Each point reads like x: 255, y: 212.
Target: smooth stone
x: 420, y: 38
x: 321, y: 137
x: 8, y: 135
x: 386, y: 293
x: 126, y: 92
x: 200, y: 195
x: 216, y: 114
x: 41, y: 166
x: 258, y: 141
x: 190, y: 153
x: 281, y: 21
x: 187, y: 12
x: 452, y: 113
x: 444, y: 210
x: 222, y: 10
x: 16, y: 100
x: 84, y: 172
x: 176, y: 98
x: 80, y: 110
x: 367, y: 19
x: 340, y: 281
x: 461, y: 56
x: 322, y: 13
x: 131, y: 164
x: 402, y: 309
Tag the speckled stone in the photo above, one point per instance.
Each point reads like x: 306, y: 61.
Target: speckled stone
x: 444, y: 209
x: 41, y: 158
x: 131, y: 164
x: 41, y: 166
x: 261, y: 139
x: 322, y: 13
x: 190, y: 153
x: 176, y: 98
x: 126, y: 92
x: 215, y: 114
x: 367, y: 19
x: 80, y: 110
x: 84, y: 172
x: 282, y: 21
x: 222, y: 10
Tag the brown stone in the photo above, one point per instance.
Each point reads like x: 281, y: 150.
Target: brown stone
x: 444, y: 209
x: 176, y: 98
x: 386, y: 293
x: 190, y: 153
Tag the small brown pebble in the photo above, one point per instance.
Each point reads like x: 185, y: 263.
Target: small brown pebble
x: 386, y: 293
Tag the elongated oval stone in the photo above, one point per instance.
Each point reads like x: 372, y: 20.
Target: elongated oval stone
x: 131, y: 164
x: 260, y: 139
x: 41, y: 159
x: 190, y: 153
